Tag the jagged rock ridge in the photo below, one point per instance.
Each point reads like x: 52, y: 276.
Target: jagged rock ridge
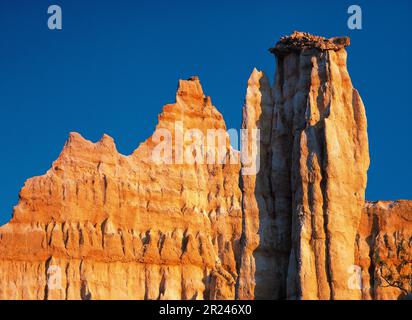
x: 108, y: 226
x: 101, y: 225
x: 299, y: 41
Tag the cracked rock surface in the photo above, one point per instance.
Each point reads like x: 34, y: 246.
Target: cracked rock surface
x: 102, y: 225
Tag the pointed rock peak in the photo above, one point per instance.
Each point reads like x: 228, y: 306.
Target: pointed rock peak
x: 190, y: 88
x: 107, y: 141
x: 255, y: 77
x: 256, y: 74
x: 258, y: 79
x: 75, y: 145
x: 75, y: 136
x: 106, y: 137
x: 76, y: 139
x: 299, y: 41
x: 193, y: 78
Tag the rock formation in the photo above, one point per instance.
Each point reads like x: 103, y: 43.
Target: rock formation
x: 259, y: 261
x: 304, y: 215
x: 100, y: 225
x: 383, y: 252
x: 321, y: 117
x: 181, y: 218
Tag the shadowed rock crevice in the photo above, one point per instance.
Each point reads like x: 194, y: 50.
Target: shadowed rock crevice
x: 319, y: 159
x: 290, y: 223
x: 258, y: 268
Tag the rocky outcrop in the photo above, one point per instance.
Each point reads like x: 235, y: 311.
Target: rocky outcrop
x: 259, y: 261
x: 304, y: 216
x: 321, y: 117
x: 308, y: 233
x: 383, y: 254
x: 298, y: 41
x: 310, y: 195
x: 100, y: 225
x: 181, y: 218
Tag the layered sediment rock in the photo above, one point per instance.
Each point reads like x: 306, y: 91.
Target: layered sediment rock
x: 259, y: 261
x: 181, y: 218
x: 321, y: 117
x: 383, y: 252
x: 100, y: 225
x: 314, y: 182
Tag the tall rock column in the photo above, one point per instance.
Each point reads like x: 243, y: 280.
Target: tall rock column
x: 258, y: 256
x: 319, y: 138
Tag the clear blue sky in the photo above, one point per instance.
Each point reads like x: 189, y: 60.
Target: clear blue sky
x: 116, y: 63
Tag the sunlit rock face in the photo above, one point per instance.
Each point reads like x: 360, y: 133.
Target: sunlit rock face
x: 100, y: 225
x: 259, y: 260
x: 307, y: 232
x: 183, y: 218
x: 305, y: 206
x: 384, y: 250
x: 320, y: 117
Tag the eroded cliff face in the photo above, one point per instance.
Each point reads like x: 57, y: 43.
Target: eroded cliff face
x: 100, y: 225
x: 384, y: 250
x: 259, y: 260
x: 166, y: 222
x: 321, y: 117
x: 305, y: 213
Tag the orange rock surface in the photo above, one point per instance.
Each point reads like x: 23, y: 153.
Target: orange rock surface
x: 384, y: 250
x: 106, y: 226
x: 320, y: 115
x: 303, y: 212
x: 167, y: 223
